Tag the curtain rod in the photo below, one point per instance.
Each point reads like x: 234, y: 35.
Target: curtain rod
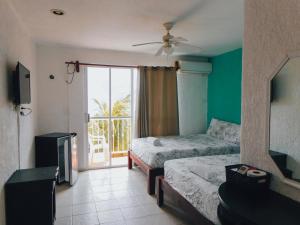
x: 77, y: 64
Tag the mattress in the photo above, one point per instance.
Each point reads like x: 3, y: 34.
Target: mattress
x: 201, y: 193
x: 176, y: 147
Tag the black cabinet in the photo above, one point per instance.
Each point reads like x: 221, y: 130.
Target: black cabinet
x: 30, y: 197
x: 52, y: 150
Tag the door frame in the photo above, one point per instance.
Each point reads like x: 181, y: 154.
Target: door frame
x: 86, y: 142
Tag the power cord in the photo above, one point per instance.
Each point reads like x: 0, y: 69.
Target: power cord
x: 18, y: 109
x: 21, y: 111
x: 73, y: 74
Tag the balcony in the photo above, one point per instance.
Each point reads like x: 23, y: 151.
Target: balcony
x: 102, y: 138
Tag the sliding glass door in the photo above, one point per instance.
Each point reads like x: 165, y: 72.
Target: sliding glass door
x: 110, y: 110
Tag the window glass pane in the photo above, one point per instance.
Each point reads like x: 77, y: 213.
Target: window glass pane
x: 121, y: 92
x: 98, y: 91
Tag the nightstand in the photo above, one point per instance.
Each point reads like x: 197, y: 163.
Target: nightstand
x: 30, y: 196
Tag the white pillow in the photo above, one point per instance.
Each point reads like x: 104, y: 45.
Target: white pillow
x: 212, y: 168
x: 224, y: 130
x: 154, y: 141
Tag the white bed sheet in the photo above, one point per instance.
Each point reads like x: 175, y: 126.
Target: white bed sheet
x: 176, y: 147
x: 201, y: 193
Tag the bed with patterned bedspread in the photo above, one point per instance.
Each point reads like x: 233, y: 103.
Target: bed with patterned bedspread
x: 221, y: 138
x: 198, y: 179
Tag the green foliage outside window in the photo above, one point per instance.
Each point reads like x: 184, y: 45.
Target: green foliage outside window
x: 121, y: 127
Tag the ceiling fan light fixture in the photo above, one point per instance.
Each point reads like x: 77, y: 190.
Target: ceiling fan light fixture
x: 168, y: 50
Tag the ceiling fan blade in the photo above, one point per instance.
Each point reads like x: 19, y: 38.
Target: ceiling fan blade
x: 194, y: 9
x: 187, y: 47
x: 147, y: 43
x: 178, y: 39
x: 160, y: 50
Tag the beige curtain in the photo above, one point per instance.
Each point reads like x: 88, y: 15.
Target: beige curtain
x: 157, y: 113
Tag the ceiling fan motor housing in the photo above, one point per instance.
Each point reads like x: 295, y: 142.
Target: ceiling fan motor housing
x: 168, y: 25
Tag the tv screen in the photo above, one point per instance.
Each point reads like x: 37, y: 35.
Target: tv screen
x: 22, y: 85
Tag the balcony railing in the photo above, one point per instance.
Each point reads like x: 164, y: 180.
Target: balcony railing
x: 98, y: 130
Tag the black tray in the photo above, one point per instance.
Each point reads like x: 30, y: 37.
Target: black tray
x: 250, y: 184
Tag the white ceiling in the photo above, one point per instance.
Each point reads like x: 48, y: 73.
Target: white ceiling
x: 214, y: 25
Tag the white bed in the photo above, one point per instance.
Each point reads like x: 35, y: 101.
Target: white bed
x: 221, y: 138
x: 198, y: 179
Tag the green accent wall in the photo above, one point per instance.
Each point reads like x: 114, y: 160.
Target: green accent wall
x: 224, y: 87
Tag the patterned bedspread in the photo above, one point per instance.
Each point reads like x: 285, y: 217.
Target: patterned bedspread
x: 201, y: 193
x: 175, y: 147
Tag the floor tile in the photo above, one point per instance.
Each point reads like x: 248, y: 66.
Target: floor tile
x: 103, y: 196
x: 107, y: 205
x: 128, y: 201
x: 110, y: 216
x: 134, y: 212
x: 81, y: 199
x: 64, y: 221
x: 102, y: 189
x: 152, y: 209
x: 84, y: 208
x: 153, y: 220
x: 64, y: 211
x: 86, y: 219
x: 139, y: 221
x: 145, y: 199
x: 121, y: 194
x: 115, y: 223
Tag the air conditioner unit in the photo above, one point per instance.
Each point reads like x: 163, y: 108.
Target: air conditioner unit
x: 192, y: 67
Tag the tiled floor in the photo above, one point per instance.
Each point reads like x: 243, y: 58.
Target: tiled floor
x: 110, y: 197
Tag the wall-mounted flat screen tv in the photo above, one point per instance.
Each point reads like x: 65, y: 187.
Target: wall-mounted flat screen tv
x: 22, y: 85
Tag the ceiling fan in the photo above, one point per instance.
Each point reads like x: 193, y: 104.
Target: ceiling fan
x: 169, y: 43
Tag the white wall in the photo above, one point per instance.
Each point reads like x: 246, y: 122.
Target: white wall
x: 15, y: 45
x: 61, y: 106
x: 192, y: 103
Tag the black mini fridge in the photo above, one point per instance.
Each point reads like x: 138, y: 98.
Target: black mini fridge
x: 58, y: 149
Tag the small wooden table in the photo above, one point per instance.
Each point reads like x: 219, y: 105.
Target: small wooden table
x: 238, y: 208
x: 30, y: 196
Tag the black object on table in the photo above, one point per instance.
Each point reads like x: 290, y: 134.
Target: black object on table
x: 238, y: 208
x: 50, y: 150
x: 252, y: 184
x: 30, y: 196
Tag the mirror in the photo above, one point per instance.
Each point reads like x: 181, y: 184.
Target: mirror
x: 285, y: 119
